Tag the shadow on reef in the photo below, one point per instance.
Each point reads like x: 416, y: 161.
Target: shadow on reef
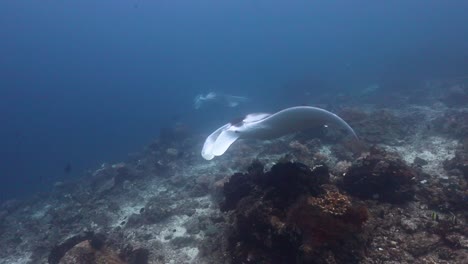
x: 291, y: 214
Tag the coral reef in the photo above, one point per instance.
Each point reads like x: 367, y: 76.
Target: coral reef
x: 290, y: 214
x: 397, y: 196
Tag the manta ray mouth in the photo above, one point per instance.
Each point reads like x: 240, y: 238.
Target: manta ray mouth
x: 269, y: 126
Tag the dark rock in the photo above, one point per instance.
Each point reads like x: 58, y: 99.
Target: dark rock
x: 98, y: 241
x: 134, y: 255
x: 181, y: 242
x: 381, y: 176
x: 193, y: 226
x: 59, y: 250
x: 81, y: 253
x: 139, y: 256
x: 84, y: 253
x: 156, y: 210
x: 211, y: 230
x: 134, y: 220
x: 419, y: 161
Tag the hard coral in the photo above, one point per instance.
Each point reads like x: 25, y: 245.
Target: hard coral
x: 380, y: 176
x: 332, y: 202
x: 337, y: 223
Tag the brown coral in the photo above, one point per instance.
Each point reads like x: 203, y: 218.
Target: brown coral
x: 332, y: 202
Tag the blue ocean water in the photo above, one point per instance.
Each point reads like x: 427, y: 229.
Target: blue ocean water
x: 87, y: 82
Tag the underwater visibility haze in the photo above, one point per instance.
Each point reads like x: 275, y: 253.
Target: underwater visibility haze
x: 350, y: 123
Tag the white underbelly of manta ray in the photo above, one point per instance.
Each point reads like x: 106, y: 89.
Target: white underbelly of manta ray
x: 269, y: 126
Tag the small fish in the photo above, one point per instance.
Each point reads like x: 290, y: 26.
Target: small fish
x: 453, y: 218
x: 435, y: 216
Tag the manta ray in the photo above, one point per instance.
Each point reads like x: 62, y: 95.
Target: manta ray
x: 269, y: 126
x: 218, y: 98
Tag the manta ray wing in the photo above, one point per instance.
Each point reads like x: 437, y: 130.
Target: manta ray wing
x: 207, y: 151
x: 297, y: 118
x: 224, y: 141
